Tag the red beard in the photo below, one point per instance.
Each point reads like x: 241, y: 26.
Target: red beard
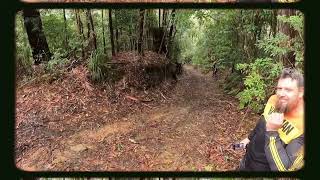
x: 281, y: 106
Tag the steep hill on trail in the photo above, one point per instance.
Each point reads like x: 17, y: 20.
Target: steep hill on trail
x: 73, y: 125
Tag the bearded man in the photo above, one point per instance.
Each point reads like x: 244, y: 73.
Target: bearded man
x: 276, y: 143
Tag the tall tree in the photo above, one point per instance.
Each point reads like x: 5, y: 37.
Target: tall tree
x: 289, y: 58
x: 36, y: 36
x: 164, y: 17
x: 116, y: 27
x: 104, y: 39
x: 133, y: 36
x: 117, y: 40
x: 141, y: 23
x: 165, y: 24
x: 159, y: 18
x: 172, y: 25
x: 111, y: 32
x: 91, y: 33
x: 148, y: 27
x: 274, y: 22
x: 258, y: 23
x: 66, y: 44
x: 171, y: 35
x: 80, y: 29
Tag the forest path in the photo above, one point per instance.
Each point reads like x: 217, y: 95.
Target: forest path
x: 191, y: 131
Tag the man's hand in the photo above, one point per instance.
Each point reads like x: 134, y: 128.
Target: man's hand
x: 245, y: 141
x: 274, y: 121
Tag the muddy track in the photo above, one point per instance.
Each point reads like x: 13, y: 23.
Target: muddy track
x: 192, y: 130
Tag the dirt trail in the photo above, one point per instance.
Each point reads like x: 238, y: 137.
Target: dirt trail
x: 192, y: 130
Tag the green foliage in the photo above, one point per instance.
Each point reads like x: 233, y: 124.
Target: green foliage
x: 53, y: 26
x: 254, y: 92
x: 57, y: 63
x: 296, y: 22
x: 232, y: 85
x: 126, y: 21
x: 176, y: 52
x: 261, y: 75
x: 95, y: 66
x: 23, y: 58
x: 275, y: 46
x: 151, y: 19
x: 126, y: 18
x: 296, y: 44
x: 213, y: 36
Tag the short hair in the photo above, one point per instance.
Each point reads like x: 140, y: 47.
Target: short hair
x: 293, y: 74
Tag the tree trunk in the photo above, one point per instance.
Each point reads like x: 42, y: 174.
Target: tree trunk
x: 162, y: 41
x: 130, y: 40
x: 258, y: 27
x: 117, y: 30
x: 88, y: 25
x: 289, y: 59
x: 130, y: 35
x: 79, y: 23
x: 170, y: 41
x: 36, y: 36
x: 146, y: 27
x: 94, y: 35
x: 111, y: 32
x: 66, y: 44
x: 274, y: 22
x: 91, y: 33
x: 159, y: 18
x: 140, y: 41
x: 80, y: 29
x: 172, y: 23
x: 164, y: 17
x: 123, y: 44
x: 117, y: 40
x: 103, y: 38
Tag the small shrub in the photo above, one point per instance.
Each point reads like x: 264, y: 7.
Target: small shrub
x: 97, y: 68
x: 24, y: 61
x: 260, y: 76
x: 57, y: 63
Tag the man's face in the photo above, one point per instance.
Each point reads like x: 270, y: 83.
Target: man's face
x: 288, y: 94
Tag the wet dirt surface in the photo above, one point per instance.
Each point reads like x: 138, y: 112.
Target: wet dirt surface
x: 74, y: 126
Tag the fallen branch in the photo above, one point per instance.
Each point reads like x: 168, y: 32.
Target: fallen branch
x: 245, y: 114
x: 138, y: 100
x: 146, y: 105
x: 145, y: 100
x: 133, y: 141
x: 132, y: 98
x: 27, y: 82
x: 72, y: 64
x: 162, y: 95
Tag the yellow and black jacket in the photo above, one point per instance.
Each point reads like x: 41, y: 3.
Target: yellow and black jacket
x: 284, y: 148
x: 276, y: 151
